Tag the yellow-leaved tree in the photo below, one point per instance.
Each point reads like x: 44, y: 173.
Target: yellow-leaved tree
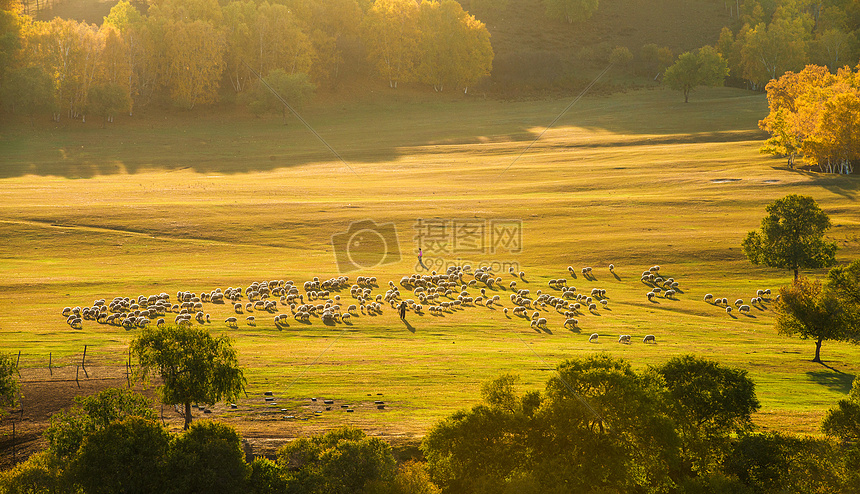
x: 195, y: 62
x: 390, y: 33
x: 455, y: 47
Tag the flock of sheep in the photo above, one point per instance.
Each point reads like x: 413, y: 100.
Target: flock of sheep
x: 458, y: 289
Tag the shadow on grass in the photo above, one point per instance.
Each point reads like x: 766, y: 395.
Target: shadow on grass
x: 410, y: 327
x: 833, y: 379
x: 617, y: 278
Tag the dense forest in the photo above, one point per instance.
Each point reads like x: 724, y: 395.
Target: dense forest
x: 184, y: 54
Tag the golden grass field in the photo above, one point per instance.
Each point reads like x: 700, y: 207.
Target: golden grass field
x: 205, y: 200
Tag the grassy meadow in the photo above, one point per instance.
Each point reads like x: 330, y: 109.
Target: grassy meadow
x: 209, y: 199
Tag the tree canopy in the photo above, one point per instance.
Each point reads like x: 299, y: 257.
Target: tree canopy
x: 704, y: 67
x: 843, y: 420
x: 9, y: 385
x: 598, y: 426
x: 194, y: 367
x: 792, y: 236
x: 815, y: 114
x: 91, y: 414
x: 829, y: 311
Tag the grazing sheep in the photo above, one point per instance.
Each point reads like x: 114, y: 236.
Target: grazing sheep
x: 744, y: 308
x: 251, y: 320
x: 649, y: 339
x: 571, y: 323
x: 506, y: 311
x: 592, y: 307
x: 650, y: 295
x: 708, y: 297
x: 739, y: 302
x: 612, y: 267
x: 232, y: 322
x: 593, y: 338
x: 625, y: 338
x: 669, y: 293
x: 522, y: 274
x: 728, y: 309
x: 159, y: 323
x: 541, y: 322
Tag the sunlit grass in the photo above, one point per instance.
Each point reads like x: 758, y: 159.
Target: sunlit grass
x: 186, y: 203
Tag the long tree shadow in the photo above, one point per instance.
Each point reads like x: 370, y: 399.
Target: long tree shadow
x: 833, y: 379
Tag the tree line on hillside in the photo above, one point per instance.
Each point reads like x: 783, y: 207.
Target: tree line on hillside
x: 772, y: 37
x: 189, y: 53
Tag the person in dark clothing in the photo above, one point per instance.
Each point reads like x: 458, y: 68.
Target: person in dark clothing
x: 403, y: 310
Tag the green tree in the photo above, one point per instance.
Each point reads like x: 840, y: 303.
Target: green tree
x: 127, y: 456
x: 843, y: 420
x: 807, y: 309
x: 208, y: 457
x: 620, y: 55
x: 41, y: 473
x: 9, y: 386
x: 791, y: 236
x: 704, y: 67
x: 770, y: 50
x: 775, y: 462
x: 341, y: 461
x: 266, y: 477
x: 294, y: 88
x: 108, y: 100
x: 194, y: 366
x: 599, y: 427
x: 28, y: 91
x: 709, y: 404
x: 91, y: 414
x: 570, y: 10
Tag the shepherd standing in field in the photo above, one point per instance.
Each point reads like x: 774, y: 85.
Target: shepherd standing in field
x: 421, y: 258
x: 403, y: 310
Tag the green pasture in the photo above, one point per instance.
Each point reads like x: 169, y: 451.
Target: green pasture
x: 208, y: 199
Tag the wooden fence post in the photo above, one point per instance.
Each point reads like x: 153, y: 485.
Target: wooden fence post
x: 50, y: 363
x: 83, y: 360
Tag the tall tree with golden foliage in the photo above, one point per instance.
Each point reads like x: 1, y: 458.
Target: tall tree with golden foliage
x: 454, y: 47
x: 390, y: 33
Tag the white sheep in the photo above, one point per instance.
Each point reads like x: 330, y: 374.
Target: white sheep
x: 739, y: 302
x: 571, y: 323
x: 744, y: 308
x: 593, y: 338
x: 649, y: 338
x: 625, y: 338
x: 251, y: 320
x: 232, y: 322
x: 708, y: 297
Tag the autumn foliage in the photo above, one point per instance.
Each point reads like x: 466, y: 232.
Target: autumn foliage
x: 186, y: 53
x: 815, y: 115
